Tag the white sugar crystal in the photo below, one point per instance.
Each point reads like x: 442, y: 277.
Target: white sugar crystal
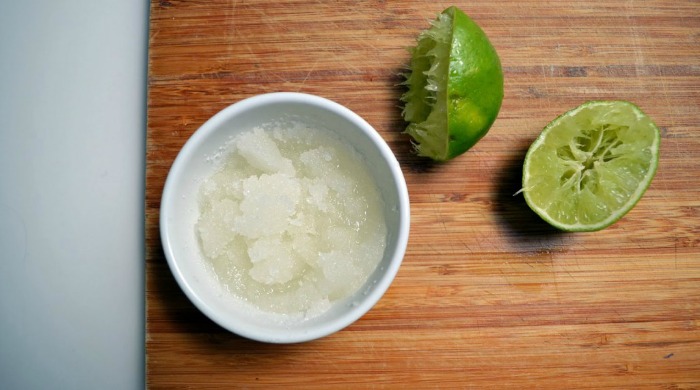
x: 342, y: 184
x: 268, y: 203
x: 318, y: 161
x: 318, y: 194
x: 340, y: 272
x: 354, y: 207
x: 340, y: 238
x: 262, y: 152
x: 306, y: 247
x: 292, y: 222
x: 215, y: 226
x: 319, y: 306
x: 273, y: 261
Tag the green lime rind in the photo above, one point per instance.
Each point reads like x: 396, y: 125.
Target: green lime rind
x: 591, y: 165
x: 455, y: 87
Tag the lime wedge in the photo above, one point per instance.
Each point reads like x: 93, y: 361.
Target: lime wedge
x: 455, y: 87
x: 590, y: 166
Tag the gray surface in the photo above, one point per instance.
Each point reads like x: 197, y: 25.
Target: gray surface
x: 72, y: 136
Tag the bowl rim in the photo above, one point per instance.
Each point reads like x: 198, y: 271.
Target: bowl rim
x: 291, y: 334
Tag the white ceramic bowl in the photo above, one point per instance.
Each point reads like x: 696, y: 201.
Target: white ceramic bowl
x: 179, y: 213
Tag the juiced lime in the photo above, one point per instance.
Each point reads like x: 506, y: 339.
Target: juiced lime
x: 590, y: 166
x: 455, y: 87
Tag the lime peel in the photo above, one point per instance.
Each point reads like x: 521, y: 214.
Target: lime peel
x: 455, y: 87
x: 591, y: 165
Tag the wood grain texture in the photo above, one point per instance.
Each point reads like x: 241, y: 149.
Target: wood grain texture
x: 488, y: 295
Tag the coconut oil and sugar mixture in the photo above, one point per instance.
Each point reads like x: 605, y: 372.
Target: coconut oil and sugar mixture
x: 292, y: 221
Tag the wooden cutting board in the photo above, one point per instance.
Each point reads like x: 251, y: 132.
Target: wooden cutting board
x: 488, y: 295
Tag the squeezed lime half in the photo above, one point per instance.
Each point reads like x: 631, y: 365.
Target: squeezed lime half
x: 591, y: 165
x: 455, y: 87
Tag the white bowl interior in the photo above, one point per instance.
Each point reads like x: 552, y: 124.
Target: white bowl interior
x: 179, y: 213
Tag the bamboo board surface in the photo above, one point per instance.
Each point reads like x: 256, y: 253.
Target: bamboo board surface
x: 488, y: 295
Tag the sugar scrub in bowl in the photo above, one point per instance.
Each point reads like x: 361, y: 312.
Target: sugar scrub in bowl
x: 285, y: 217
